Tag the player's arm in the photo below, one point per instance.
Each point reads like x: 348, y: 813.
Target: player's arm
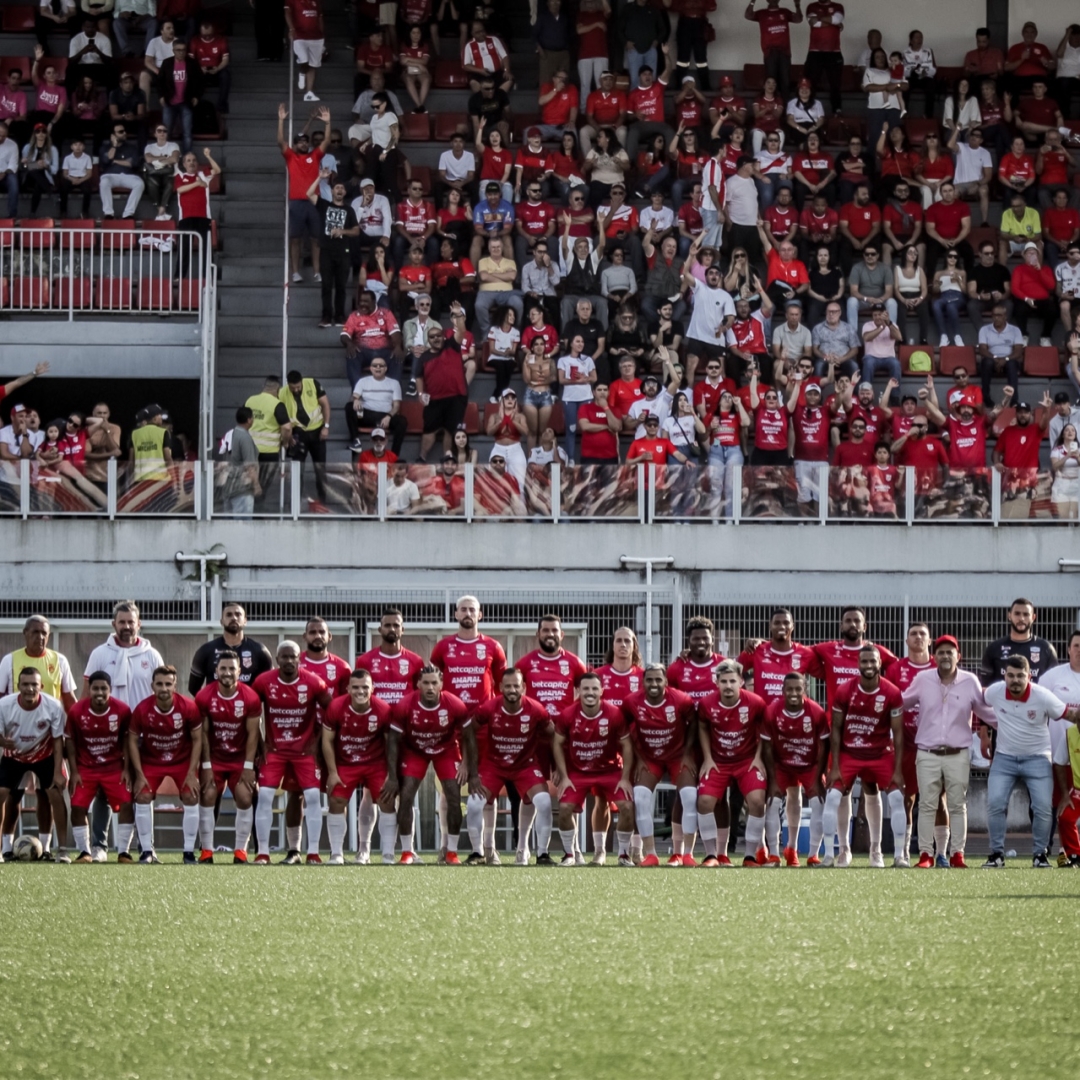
x: 559, y: 757
x: 332, y: 778
x: 393, y: 754
x: 834, y: 741
x: 625, y: 785
x: 896, y: 721
x: 765, y: 749
x: 138, y: 780
x: 469, y: 762
x: 707, y: 763
x: 192, y: 779
x: 73, y: 767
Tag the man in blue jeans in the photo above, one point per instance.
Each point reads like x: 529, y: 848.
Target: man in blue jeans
x: 880, y: 336
x: 1022, y: 713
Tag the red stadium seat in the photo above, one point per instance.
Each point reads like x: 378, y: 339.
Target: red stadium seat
x: 753, y: 76
x: 557, y: 420
x: 17, y: 18
x: 6, y: 235
x: 447, y: 123
x: 75, y: 293
x: 29, y: 292
x: 114, y: 293
x: 20, y: 62
x: 1042, y: 362
x: 79, y: 233
x: 415, y: 127
x: 413, y: 411
x: 155, y: 294
x: 954, y: 356
x: 118, y: 234
x: 472, y: 418
x: 151, y: 224
x: 449, y: 75
x: 422, y: 175
x: 905, y: 357
x: 489, y: 411
x: 918, y: 128
x: 42, y: 232
x: 190, y: 294
x: 979, y: 235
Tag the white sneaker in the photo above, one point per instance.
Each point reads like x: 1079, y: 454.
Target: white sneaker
x: 843, y: 860
x: 297, y: 278
x: 521, y: 859
x: 598, y: 859
x: 567, y: 861
x: 1045, y: 342
x: 336, y: 860
x: 311, y: 96
x: 318, y: 277
x: 579, y: 859
x: 958, y: 340
x: 492, y: 858
x: 902, y: 862
x: 163, y: 217
x: 99, y: 854
x: 944, y: 341
x: 828, y: 861
x: 363, y: 858
x: 388, y: 860
x: 299, y: 80
x: 877, y: 860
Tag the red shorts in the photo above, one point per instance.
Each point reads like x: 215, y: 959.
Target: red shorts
x: 109, y: 780
x: 870, y: 770
x: 227, y: 775
x: 911, y: 781
x: 157, y: 774
x: 602, y: 785
x: 672, y: 766
x: 303, y: 771
x: 372, y: 776
x: 416, y: 765
x: 807, y: 779
x: 749, y: 779
x: 494, y: 776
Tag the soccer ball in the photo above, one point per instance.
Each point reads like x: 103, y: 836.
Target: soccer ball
x: 27, y: 849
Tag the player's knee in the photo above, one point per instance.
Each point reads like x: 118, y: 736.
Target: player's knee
x: 337, y: 806
x: 190, y: 798
x: 209, y: 796
x: 542, y: 802
x: 242, y: 798
x: 144, y: 798
x: 706, y: 804
x: 755, y: 803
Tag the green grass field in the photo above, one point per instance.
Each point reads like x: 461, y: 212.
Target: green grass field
x: 139, y: 973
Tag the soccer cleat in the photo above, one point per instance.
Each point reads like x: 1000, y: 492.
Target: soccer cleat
x: 521, y: 859
x: 941, y: 862
x: 749, y: 861
x: 313, y: 859
x: 957, y: 861
x: 45, y: 856
x: 996, y: 861
x: 723, y: 860
x: 926, y: 861
x: 124, y: 857
x: 761, y: 856
x: 190, y: 858
x: 626, y: 862
x: 262, y: 860
x: 474, y: 859
x: 336, y: 860
x: 492, y: 858
x: 813, y: 860
x: 544, y: 859
x: 710, y: 862
x: 363, y: 858
x: 84, y: 857
x: 452, y: 859
x: 99, y: 854
x: 410, y: 858
x: 688, y: 860
x: 598, y: 859
x: 843, y: 859
x: 650, y: 860
x: 206, y: 856
x: 829, y: 862
x: 675, y: 860
x: 148, y: 858
x: 791, y: 857
x: 1073, y: 862
x: 62, y: 856
x: 877, y: 860
x: 636, y: 856
x: 579, y: 859
x: 901, y: 862
x: 292, y: 858
x: 567, y: 861
x: 1041, y: 862
x: 240, y: 857
x: 771, y: 862
x: 1062, y: 859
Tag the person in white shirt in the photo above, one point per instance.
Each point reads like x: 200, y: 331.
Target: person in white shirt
x: 974, y: 168
x: 17, y: 443
x: 656, y: 402
x: 376, y: 403
x: 713, y: 312
x: 9, y: 170
x: 158, y: 50
x: 1067, y: 276
x: 1063, y: 682
x: 658, y: 216
x: 457, y: 166
x: 376, y: 219
x: 742, y: 211
x: 402, y: 495
x: 712, y: 199
x: 1023, y: 710
x: 160, y: 157
x: 548, y: 452
x: 920, y: 70
x: 76, y: 173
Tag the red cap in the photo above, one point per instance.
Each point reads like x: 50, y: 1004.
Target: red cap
x: 805, y: 84
x: 727, y: 81
x: 947, y: 639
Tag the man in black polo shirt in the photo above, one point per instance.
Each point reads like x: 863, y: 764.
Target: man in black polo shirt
x: 987, y: 285
x: 255, y: 658
x: 492, y: 105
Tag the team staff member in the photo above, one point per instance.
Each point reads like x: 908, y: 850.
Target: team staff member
x: 267, y: 431
x: 306, y: 409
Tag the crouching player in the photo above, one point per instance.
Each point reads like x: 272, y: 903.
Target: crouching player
x: 795, y: 752
x: 430, y: 727
x: 594, y: 756
x: 663, y: 727
x: 231, y: 711
x: 354, y: 747
x: 511, y: 729
x: 97, y: 729
x: 729, y: 730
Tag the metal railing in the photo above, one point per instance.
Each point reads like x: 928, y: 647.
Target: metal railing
x: 160, y: 270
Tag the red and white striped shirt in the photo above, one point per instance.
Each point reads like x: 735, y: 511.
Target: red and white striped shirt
x: 196, y: 202
x: 488, y: 54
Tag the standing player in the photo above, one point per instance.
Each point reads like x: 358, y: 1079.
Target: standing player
x: 594, y: 755
x: 772, y: 661
x: 319, y: 660
x: 164, y: 741
x: 231, y: 713
x: 511, y: 731
x: 97, y: 747
x: 663, y: 728
x: 254, y: 656
x: 729, y: 731
x: 430, y: 727
x: 623, y: 667
x: 1019, y: 641
x: 32, y: 738
x: 291, y: 698
x: 868, y: 744
x: 900, y: 673
x: 354, y: 746
x: 394, y: 672
x: 795, y: 753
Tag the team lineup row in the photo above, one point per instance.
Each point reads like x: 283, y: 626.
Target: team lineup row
x: 547, y: 729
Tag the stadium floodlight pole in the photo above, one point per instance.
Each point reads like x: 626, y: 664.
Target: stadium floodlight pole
x: 648, y: 561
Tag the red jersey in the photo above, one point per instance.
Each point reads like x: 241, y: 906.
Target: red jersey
x: 811, y: 433
x: 623, y: 394
x: 900, y: 673
x: 947, y: 218
x: 867, y: 717
x: 873, y: 417
x: 1015, y: 168
x: 688, y: 112
x: 770, y: 428
x: 291, y: 710
x: 535, y: 217
x: 597, y: 444
x: 619, y: 685
x: 430, y: 731
x: 334, y: 671
x: 748, y: 335
x: 793, y: 272
x: 511, y: 740
x: 416, y: 218
x: 592, y: 743
x: 860, y: 220
x: 307, y: 19
x: 927, y: 457
x: 471, y: 669
x: 1055, y: 167
x: 1037, y: 52
x: 656, y: 449
x: 416, y: 278
x: 902, y: 217
x: 605, y: 108
x: 456, y: 269
x: 98, y: 737
x: 550, y: 679
x: 882, y: 482
x: 557, y: 111
x: 659, y: 731
x: 209, y: 51
x: 840, y: 663
x: 780, y: 220
x: 734, y: 730
x: 796, y: 738
x: 394, y: 676
x: 967, y: 444
x: 1019, y: 446
x: 1061, y: 224
x: 195, y: 202
x: 165, y: 737
x: 770, y: 665
x: 380, y: 59
x: 690, y: 216
x: 814, y: 167
x: 227, y: 719
x: 303, y: 170
x: 825, y: 37
x: 692, y: 678
x: 708, y: 394
x: 359, y: 738
x: 647, y: 103
x: 533, y: 165
x: 818, y: 228
x: 773, y: 26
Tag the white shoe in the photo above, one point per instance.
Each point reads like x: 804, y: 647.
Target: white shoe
x: 843, y: 860
x: 297, y: 278
x: 1045, y: 342
x: 388, y: 860
x: 163, y: 217
x: 492, y: 858
x: 877, y: 860
x: 579, y: 859
x: 521, y: 859
x: 318, y: 277
x: 567, y: 862
x: 944, y: 341
x: 598, y: 859
x: 99, y: 854
x: 299, y: 80
x: 902, y: 862
x: 311, y: 96
x: 958, y: 340
x: 363, y: 858
x: 336, y: 860
x: 829, y: 861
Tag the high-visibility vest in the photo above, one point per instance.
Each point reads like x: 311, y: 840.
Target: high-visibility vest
x: 310, y: 401
x: 149, y: 445
x: 265, y: 430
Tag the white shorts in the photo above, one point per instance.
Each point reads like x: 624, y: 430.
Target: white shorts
x: 309, y: 51
x: 807, y: 477
x: 388, y: 14
x: 1016, y: 247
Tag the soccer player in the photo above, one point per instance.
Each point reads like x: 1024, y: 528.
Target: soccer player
x: 773, y: 660
x: 319, y: 660
x: 394, y: 671
x: 430, y: 727
x: 164, y: 741
x: 900, y: 673
x: 622, y: 670
x: 291, y: 698
x: 231, y: 712
x: 663, y: 728
x: 32, y: 738
x: 795, y: 753
x: 97, y: 748
x: 354, y: 746
x: 594, y: 755
x: 254, y: 656
x: 511, y: 731
x: 729, y: 731
x: 865, y: 710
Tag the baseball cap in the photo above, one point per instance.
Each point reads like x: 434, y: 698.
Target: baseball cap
x: 367, y: 182
x: 20, y: 407
x: 805, y: 84
x: 448, y: 456
x: 650, y: 418
x: 378, y: 433
x: 813, y: 386
x: 877, y: 307
x: 727, y: 81
x: 650, y: 378
x: 153, y: 410
x: 1029, y: 246
x: 497, y: 457
x: 947, y: 639
x: 688, y: 78
x: 508, y: 392
x: 1023, y: 405
x: 866, y: 386
x: 533, y: 133
x: 1061, y: 398
x: 492, y: 185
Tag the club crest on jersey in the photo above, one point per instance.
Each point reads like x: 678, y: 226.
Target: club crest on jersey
x: 635, y: 682
x: 403, y: 667
x: 373, y: 724
x: 879, y: 703
x: 1034, y: 655
x: 744, y: 714
x: 331, y: 670
x: 481, y: 652
x: 807, y: 725
x: 238, y: 708
x: 444, y: 718
x: 524, y: 727
x: 669, y: 712
x: 603, y: 729
x: 42, y: 725
x: 114, y: 722
x: 1031, y: 714
x: 564, y: 667
x: 177, y: 721
x: 301, y: 695
x: 245, y: 660
x: 796, y: 662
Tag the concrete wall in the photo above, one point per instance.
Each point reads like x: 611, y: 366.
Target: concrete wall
x: 1051, y: 17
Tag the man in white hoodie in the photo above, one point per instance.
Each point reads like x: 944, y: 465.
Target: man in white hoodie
x: 130, y: 661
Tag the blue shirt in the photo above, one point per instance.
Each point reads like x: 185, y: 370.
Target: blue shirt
x: 493, y: 220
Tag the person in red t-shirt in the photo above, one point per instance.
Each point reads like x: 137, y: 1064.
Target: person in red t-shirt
x: 303, y: 164
x: 600, y: 425
x: 773, y: 22
x: 857, y: 450
x: 1053, y: 163
x: 1033, y: 293
x: 653, y: 449
x: 1016, y: 170
x: 948, y: 225
x: 770, y: 425
x: 192, y: 186
x: 304, y: 19
x: 1016, y: 454
x: 211, y: 51
x: 925, y: 453
x: 1028, y: 60
x: 823, y: 57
